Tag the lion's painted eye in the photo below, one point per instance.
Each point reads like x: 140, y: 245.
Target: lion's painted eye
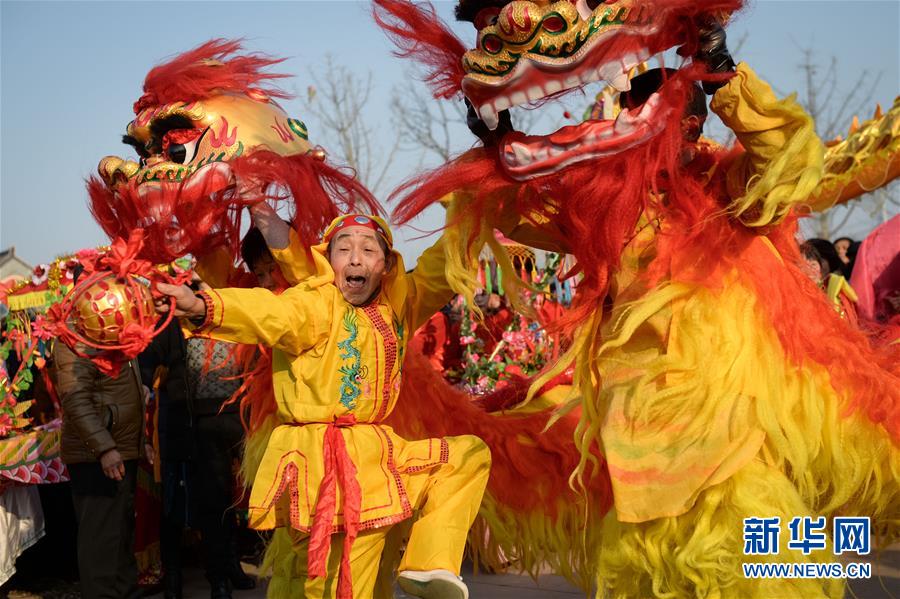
x: 180, y: 145
x: 491, y: 44
x: 553, y: 23
x: 486, y: 17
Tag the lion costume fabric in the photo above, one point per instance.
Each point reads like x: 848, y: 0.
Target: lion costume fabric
x: 706, y: 368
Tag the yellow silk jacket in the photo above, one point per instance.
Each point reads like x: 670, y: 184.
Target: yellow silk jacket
x: 331, y: 359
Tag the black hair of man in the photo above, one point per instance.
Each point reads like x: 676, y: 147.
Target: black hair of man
x: 467, y: 10
x: 644, y: 85
x: 809, y: 252
x: 254, y: 248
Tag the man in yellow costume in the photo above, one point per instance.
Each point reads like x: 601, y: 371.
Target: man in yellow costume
x: 334, y: 479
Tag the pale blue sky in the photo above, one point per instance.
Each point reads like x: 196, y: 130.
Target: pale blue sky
x: 70, y: 71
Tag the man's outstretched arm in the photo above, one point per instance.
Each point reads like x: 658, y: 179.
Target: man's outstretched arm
x: 293, y: 321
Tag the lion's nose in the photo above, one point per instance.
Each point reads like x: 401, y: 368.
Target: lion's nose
x: 153, y: 160
x: 114, y: 170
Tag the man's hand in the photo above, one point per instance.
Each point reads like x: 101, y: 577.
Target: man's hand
x: 112, y: 464
x: 186, y: 303
x: 713, y: 52
x: 150, y: 453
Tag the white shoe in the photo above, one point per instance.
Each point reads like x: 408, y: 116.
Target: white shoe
x: 433, y: 584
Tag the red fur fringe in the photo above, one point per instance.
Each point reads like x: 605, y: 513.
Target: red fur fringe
x: 178, y: 223
x: 808, y: 326
x: 520, y: 447
x: 420, y: 34
x: 318, y: 192
x: 600, y: 201
x: 210, y: 68
x: 256, y: 395
x: 190, y: 218
x: 515, y: 391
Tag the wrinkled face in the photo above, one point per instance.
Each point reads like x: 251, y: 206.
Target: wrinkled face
x: 359, y: 263
x: 184, y: 150
x: 528, y: 51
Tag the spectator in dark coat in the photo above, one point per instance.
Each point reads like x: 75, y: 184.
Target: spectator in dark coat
x: 101, y: 443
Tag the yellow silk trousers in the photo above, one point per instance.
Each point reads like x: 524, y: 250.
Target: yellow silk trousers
x: 445, y: 500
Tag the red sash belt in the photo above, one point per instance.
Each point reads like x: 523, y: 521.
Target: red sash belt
x: 339, y: 468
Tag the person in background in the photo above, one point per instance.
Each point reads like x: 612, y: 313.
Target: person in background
x: 101, y: 442
x: 259, y: 260
x: 836, y: 288
x: 829, y: 254
x: 815, y: 266
x: 165, y: 359
x: 497, y: 316
x: 852, y: 252
x: 842, y: 246
x: 213, y: 374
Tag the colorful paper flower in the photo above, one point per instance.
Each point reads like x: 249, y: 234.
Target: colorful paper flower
x: 39, y: 275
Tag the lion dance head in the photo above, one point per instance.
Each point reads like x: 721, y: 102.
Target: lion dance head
x: 210, y: 139
x: 596, y: 176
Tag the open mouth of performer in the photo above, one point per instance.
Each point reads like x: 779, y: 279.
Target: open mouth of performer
x: 356, y: 281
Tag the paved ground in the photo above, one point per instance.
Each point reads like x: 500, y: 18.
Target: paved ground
x: 884, y: 584
x: 45, y: 577
x: 480, y: 586
x: 885, y: 581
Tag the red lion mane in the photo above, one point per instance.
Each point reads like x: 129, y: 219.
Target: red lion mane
x: 188, y: 76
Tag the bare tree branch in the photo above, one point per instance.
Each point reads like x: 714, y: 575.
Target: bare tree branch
x: 425, y: 124
x: 737, y: 46
x: 438, y: 128
x: 337, y: 100
x: 832, y: 107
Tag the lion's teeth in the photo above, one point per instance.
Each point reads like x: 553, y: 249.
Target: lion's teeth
x: 489, y: 116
